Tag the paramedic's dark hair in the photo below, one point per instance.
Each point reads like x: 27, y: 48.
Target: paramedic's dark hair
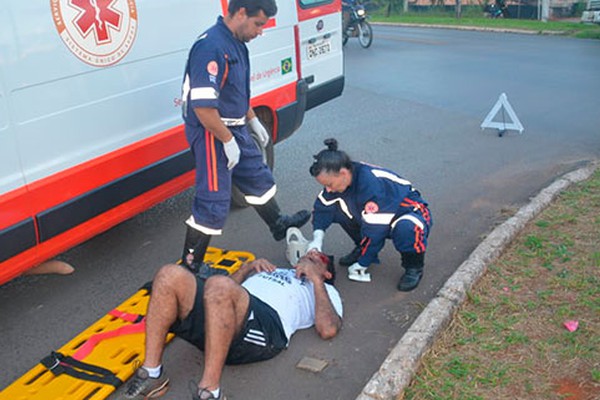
x: 253, y: 7
x: 330, y: 160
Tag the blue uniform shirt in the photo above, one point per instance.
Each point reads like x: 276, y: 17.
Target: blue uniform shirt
x: 217, y: 75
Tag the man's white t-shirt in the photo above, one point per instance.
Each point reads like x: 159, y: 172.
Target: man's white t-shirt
x: 292, y: 298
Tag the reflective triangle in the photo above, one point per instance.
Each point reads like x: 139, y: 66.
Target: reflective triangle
x: 513, y: 123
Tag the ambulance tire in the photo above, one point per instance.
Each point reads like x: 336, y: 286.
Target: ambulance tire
x: 237, y: 197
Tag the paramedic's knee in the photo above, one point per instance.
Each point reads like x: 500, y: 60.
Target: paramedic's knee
x: 409, y: 235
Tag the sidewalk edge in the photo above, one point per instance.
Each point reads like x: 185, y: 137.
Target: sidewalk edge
x: 471, y: 28
x: 399, y: 367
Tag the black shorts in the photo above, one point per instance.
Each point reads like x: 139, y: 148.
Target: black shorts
x: 262, y: 337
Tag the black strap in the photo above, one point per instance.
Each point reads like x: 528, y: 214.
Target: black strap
x: 58, y: 363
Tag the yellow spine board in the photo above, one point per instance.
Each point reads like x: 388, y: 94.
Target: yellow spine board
x: 118, y: 354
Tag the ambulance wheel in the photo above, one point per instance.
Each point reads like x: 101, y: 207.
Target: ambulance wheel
x: 237, y: 197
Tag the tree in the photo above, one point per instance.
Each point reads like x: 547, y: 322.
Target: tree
x: 394, y: 5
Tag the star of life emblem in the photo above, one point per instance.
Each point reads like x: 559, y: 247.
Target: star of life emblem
x: 98, y: 32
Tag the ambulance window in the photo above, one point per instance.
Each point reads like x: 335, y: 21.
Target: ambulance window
x: 312, y: 3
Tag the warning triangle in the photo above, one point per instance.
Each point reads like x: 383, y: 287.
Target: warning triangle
x: 504, y: 106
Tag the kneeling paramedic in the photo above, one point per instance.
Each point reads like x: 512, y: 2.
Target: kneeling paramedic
x: 371, y: 204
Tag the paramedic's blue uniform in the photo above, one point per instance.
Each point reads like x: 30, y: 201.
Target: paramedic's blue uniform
x: 217, y: 76
x: 377, y: 205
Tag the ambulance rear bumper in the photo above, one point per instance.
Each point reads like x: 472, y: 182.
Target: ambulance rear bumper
x: 290, y: 117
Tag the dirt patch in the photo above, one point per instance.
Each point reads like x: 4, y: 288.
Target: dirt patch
x: 572, y: 389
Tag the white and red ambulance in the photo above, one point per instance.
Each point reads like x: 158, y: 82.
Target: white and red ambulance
x: 90, y: 126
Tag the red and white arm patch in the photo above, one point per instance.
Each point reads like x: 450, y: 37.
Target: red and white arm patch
x: 371, y: 207
x: 213, y: 68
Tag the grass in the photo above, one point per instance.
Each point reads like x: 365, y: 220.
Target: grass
x: 509, y: 341
x: 475, y: 18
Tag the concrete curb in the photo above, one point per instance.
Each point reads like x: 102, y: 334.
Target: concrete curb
x: 472, y: 28
x: 398, y: 369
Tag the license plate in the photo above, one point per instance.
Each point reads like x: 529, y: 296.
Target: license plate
x: 317, y: 50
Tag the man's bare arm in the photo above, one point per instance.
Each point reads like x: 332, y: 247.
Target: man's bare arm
x: 327, y: 322
x: 250, y: 114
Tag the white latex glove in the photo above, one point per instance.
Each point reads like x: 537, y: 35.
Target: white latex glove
x: 357, y: 272
x: 261, y: 132
x: 317, y: 242
x: 232, y: 152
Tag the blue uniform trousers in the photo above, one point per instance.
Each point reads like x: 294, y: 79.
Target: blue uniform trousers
x: 212, y: 198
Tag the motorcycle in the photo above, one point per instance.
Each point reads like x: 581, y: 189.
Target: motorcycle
x: 498, y: 9
x: 356, y: 25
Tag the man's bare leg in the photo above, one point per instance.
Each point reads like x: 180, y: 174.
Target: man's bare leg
x: 173, y: 294
x: 225, y: 307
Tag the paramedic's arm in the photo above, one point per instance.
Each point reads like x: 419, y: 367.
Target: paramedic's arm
x: 211, y: 120
x: 250, y: 114
x: 250, y: 268
x: 327, y: 322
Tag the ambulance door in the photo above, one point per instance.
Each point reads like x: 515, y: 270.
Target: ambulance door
x: 272, y: 55
x: 17, y: 232
x: 274, y: 79
x: 321, y: 55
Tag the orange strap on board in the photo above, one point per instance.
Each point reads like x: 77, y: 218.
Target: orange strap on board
x: 88, y: 346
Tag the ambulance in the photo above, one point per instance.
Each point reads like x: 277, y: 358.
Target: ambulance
x: 90, y: 108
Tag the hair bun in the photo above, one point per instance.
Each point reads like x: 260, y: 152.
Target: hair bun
x: 332, y: 144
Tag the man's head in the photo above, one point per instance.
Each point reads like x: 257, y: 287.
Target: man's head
x: 253, y: 7
x: 322, y: 260
x: 246, y: 18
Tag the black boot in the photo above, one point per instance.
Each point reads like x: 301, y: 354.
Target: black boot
x: 354, y: 255
x: 413, y: 271
x: 351, y: 257
x: 279, y: 224
x: 194, y: 249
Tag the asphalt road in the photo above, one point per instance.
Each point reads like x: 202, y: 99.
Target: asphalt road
x: 413, y: 102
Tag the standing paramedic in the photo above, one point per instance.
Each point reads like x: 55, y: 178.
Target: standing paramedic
x: 217, y: 116
x: 247, y: 317
x: 371, y: 204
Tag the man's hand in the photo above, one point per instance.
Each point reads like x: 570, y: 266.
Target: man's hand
x: 262, y: 265
x: 312, y: 268
x: 252, y: 267
x: 261, y: 132
x: 232, y: 152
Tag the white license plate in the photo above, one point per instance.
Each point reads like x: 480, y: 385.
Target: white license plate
x: 317, y: 50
